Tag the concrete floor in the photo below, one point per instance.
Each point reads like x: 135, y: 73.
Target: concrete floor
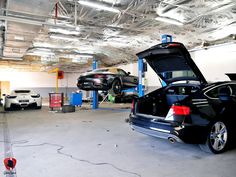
x: 100, y: 144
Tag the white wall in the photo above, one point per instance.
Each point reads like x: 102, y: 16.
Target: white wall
x: 217, y: 61
x: 36, y: 79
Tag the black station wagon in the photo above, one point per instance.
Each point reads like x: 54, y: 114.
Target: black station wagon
x: 188, y: 109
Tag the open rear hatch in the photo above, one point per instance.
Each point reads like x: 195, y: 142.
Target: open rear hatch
x: 172, y: 62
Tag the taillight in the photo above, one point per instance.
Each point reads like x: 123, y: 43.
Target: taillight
x: 10, y: 97
x: 180, y: 110
x: 100, y: 76
x: 132, y: 106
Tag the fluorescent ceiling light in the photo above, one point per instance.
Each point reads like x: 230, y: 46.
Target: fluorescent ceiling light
x: 78, y: 56
x: 168, y: 20
x: 64, y: 31
x: 84, y: 56
x: 19, y: 38
x: 80, y: 60
x: 98, y: 6
x: 41, y: 52
x: 63, y: 38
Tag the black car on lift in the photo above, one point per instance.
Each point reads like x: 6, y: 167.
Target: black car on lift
x: 113, y: 79
x: 187, y: 109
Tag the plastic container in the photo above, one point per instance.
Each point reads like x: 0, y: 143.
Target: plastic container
x: 76, y: 99
x: 56, y: 100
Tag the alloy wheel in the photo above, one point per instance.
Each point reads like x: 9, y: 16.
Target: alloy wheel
x: 218, y: 136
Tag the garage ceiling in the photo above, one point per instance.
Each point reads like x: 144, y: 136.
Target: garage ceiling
x: 43, y: 34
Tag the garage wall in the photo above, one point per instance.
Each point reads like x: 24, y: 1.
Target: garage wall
x: 216, y: 61
x: 41, y: 82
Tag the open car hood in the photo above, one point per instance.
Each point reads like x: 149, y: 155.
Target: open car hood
x: 172, y: 62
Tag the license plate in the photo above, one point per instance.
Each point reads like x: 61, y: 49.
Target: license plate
x: 21, y: 101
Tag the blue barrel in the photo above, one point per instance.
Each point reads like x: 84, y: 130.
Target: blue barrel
x: 76, y: 99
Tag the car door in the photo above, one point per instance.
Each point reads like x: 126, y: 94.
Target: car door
x: 214, y: 97
x: 128, y: 81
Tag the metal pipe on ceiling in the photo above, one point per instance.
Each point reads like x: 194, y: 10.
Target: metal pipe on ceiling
x: 76, y: 13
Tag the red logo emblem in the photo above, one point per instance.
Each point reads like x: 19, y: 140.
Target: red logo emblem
x: 10, y: 163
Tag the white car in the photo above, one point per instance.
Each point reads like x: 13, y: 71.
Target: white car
x: 22, y: 99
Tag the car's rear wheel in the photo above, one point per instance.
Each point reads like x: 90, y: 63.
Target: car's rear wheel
x: 7, y: 109
x: 116, y: 87
x: 217, y: 138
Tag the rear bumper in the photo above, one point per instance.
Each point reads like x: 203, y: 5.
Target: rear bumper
x: 93, y: 84
x: 160, y: 133
x: 23, y: 105
x: 186, y: 133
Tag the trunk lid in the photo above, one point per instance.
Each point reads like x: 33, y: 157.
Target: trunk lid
x: 172, y: 62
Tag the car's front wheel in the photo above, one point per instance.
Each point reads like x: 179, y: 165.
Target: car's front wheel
x: 115, y: 88
x: 7, y: 109
x: 217, y: 138
x: 39, y: 107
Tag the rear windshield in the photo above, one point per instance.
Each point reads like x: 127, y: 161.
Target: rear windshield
x: 173, y: 74
x: 22, y: 91
x: 171, y: 67
x: 100, y: 70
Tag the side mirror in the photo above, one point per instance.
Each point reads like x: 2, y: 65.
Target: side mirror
x: 128, y: 73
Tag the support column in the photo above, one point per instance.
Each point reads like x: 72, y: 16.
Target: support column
x: 95, y: 93
x: 164, y: 39
x: 140, y: 78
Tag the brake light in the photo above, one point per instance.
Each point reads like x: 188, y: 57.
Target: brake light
x: 173, y: 45
x: 132, y: 106
x: 180, y: 110
x: 100, y: 76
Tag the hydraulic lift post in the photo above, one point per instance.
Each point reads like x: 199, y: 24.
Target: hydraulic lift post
x: 140, y: 77
x: 164, y: 39
x: 95, y: 93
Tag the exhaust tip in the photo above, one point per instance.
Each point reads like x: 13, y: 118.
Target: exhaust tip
x: 172, y: 140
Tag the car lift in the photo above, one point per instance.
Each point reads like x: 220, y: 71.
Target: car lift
x: 140, y: 84
x: 165, y: 38
x: 95, y: 93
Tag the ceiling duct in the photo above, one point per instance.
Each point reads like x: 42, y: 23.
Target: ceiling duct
x: 19, y: 26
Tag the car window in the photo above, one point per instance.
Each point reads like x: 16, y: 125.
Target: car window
x: 121, y: 72
x: 182, y: 90
x: 22, y: 91
x: 233, y: 87
x: 214, y: 93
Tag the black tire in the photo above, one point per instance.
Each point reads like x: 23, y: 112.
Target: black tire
x: 7, y: 109
x: 39, y: 107
x: 218, y: 138
x: 115, y: 88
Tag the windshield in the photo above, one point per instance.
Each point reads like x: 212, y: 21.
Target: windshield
x: 22, y: 91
